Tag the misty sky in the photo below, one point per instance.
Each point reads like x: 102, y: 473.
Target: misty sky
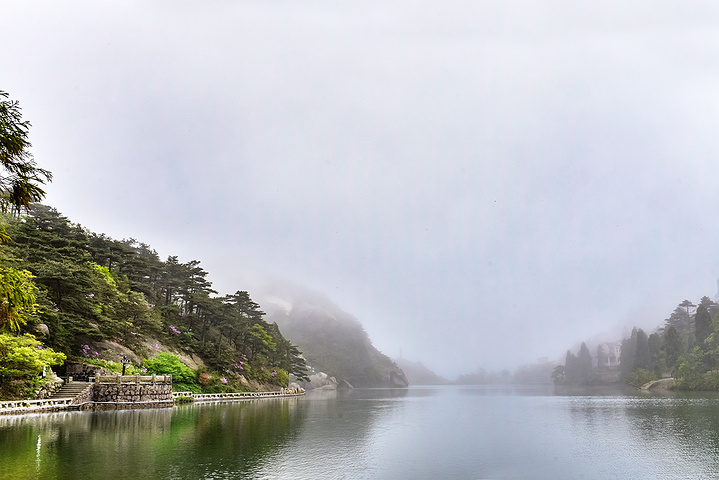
x: 480, y: 183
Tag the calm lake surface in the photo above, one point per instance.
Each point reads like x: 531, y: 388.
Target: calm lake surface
x: 419, y: 433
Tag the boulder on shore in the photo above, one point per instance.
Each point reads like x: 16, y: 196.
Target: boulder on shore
x: 661, y: 385
x: 321, y: 381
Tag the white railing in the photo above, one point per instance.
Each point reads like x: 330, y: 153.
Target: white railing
x: 132, y: 379
x: 238, y: 395
x: 19, y: 406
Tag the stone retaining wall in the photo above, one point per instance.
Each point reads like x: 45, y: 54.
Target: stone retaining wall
x: 86, y: 396
x: 131, y: 393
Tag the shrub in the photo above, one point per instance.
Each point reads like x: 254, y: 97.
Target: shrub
x: 21, y: 362
x: 639, y: 377
x: 169, y: 364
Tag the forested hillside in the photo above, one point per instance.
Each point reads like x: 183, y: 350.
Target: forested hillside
x: 685, y: 347
x: 92, y: 289
x: 332, y: 341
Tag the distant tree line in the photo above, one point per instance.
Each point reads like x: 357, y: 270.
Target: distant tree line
x: 577, y: 369
x: 686, y: 348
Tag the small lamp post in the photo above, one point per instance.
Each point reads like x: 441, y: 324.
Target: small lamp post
x: 124, y: 361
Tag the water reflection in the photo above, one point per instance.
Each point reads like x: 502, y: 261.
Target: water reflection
x: 338, y: 430
x: 419, y: 433
x: 195, y: 441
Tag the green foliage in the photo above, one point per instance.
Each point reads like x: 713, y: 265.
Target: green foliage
x: 169, y: 364
x: 22, y: 359
x: 20, y: 182
x: 260, y: 340
x: 577, y: 369
x: 280, y: 377
x: 628, y: 355
x: 703, y: 325
x: 91, y: 288
x: 707, y: 381
x: 673, y: 347
x: 641, y: 353
x: 639, y: 377
x: 87, y: 287
x: 656, y: 353
x: 17, y: 298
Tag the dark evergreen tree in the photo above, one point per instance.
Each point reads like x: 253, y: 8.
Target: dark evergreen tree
x: 571, y: 369
x: 21, y: 178
x: 702, y: 326
x: 656, y: 353
x: 628, y: 354
x: 681, y: 319
x: 602, y: 357
x: 673, y: 348
x: 584, y: 366
x: 641, y: 353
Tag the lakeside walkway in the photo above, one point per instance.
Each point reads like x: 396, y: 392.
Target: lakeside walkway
x: 234, y: 396
x: 83, y: 401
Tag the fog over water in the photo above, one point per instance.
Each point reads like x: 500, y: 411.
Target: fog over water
x: 479, y: 183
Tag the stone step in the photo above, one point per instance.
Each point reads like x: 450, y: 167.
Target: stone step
x: 71, y: 390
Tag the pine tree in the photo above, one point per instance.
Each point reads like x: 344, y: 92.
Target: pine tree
x: 584, y: 366
x: 641, y: 354
x: 673, y: 347
x: 702, y: 326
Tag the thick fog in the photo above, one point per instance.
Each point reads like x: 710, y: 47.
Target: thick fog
x: 480, y: 183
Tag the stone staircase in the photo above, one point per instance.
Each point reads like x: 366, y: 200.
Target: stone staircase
x: 72, y: 390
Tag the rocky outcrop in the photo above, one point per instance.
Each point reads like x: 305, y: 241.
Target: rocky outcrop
x: 397, y: 379
x: 54, y: 384
x: 659, y: 385
x: 321, y: 381
x: 82, y: 372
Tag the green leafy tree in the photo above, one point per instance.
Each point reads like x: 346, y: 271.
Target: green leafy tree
x: 21, y: 362
x: 702, y: 326
x: 21, y: 179
x: 168, y: 364
x: 17, y: 298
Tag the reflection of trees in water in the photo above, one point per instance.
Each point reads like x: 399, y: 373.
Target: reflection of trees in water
x: 683, y: 422
x: 194, y: 441
x: 674, y: 433
x: 340, y: 425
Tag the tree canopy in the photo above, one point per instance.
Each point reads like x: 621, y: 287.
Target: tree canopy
x: 21, y: 179
x: 92, y: 288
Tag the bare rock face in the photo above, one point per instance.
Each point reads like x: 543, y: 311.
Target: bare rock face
x: 321, y: 381
x: 659, y: 385
x: 42, y: 329
x: 397, y: 378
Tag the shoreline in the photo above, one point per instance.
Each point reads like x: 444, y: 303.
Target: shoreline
x: 20, y: 407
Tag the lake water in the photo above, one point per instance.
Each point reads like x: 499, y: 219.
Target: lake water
x: 419, y: 433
